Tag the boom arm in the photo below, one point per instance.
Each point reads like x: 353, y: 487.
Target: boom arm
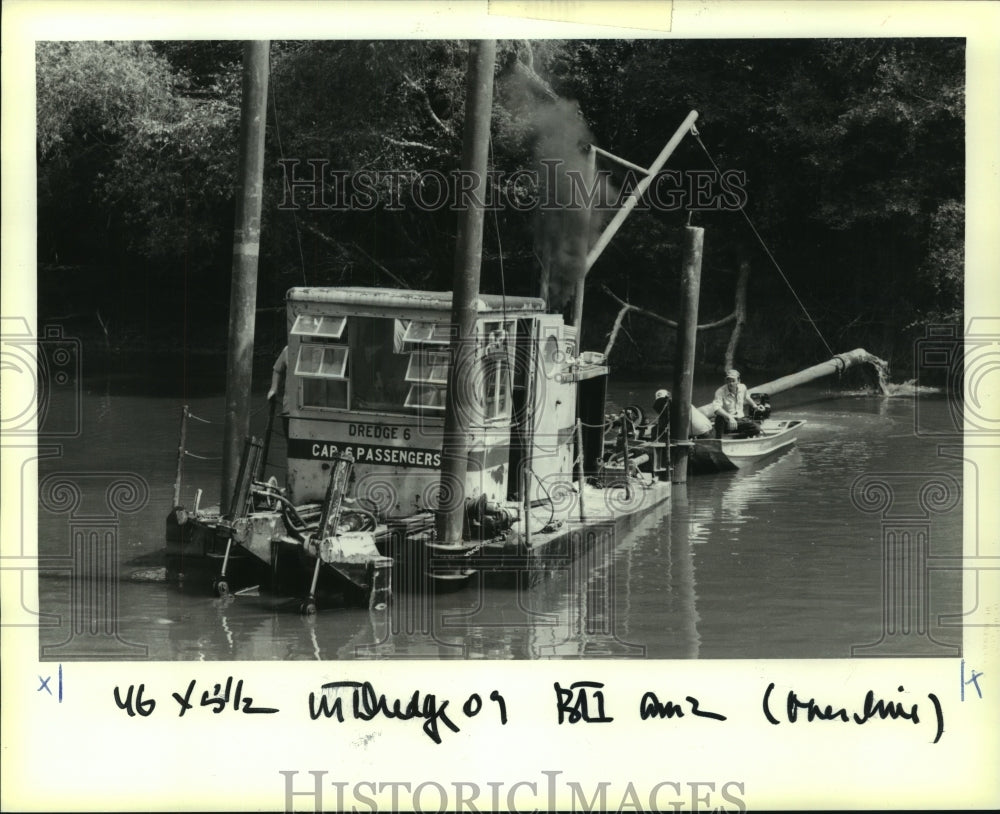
x: 612, y: 228
x: 840, y: 362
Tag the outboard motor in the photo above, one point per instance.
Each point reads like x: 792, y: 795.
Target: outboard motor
x: 764, y: 400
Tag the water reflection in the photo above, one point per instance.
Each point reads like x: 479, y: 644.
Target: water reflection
x: 772, y: 562
x: 579, y: 610
x: 594, y: 607
x: 679, y: 589
x: 753, y: 484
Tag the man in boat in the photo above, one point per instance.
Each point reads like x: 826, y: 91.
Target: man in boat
x: 728, y: 404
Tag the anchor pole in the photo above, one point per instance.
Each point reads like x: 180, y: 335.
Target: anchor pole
x: 680, y: 418
x: 246, y: 247
x: 468, y: 266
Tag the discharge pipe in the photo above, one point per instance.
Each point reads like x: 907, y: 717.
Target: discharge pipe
x: 838, y: 364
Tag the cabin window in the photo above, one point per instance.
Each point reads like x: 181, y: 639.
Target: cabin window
x: 498, y: 339
x: 426, y: 397
x: 496, y: 378
x: 323, y: 361
x: 378, y: 364
x: 323, y: 372
x: 430, y: 367
x: 319, y: 327
x: 428, y: 372
x: 324, y: 393
x: 431, y: 333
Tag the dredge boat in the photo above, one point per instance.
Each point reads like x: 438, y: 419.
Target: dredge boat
x: 362, y: 405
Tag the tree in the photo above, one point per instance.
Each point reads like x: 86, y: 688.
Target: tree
x: 119, y: 131
x: 852, y: 151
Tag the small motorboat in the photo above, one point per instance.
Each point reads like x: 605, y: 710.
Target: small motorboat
x: 734, y: 451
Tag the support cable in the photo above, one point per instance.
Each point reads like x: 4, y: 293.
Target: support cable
x: 496, y: 228
x: 767, y: 251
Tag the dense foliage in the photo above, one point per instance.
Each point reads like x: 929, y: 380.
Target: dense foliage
x: 853, y: 154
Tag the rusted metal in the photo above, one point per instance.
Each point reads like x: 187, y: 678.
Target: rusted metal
x: 272, y: 408
x: 334, y: 496
x: 243, y: 486
x: 330, y: 517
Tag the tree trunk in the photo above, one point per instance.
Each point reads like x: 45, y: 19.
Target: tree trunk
x: 740, y: 310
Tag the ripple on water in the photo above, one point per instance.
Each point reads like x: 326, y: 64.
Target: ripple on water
x: 769, y: 562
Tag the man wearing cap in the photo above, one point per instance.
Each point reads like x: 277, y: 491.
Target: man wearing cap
x: 728, y: 405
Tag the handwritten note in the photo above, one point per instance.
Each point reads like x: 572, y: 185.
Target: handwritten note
x: 872, y: 708
x: 574, y: 703
x: 366, y: 704
x: 220, y: 697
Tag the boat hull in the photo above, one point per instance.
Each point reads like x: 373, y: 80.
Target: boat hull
x: 403, y: 557
x: 712, y: 455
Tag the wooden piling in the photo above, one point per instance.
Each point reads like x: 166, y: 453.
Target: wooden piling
x: 246, y: 247
x: 680, y: 417
x: 468, y: 266
x: 181, y: 452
